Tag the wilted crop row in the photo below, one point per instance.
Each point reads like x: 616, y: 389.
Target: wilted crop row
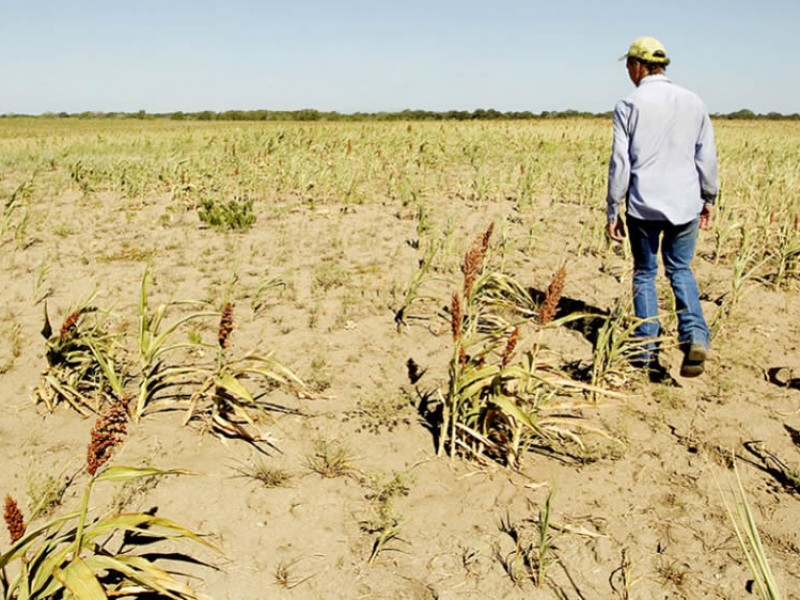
x: 199, y: 164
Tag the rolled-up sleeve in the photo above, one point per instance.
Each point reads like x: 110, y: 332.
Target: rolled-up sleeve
x: 705, y: 159
x: 619, y: 167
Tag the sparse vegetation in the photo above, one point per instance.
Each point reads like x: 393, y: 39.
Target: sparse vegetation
x: 533, y: 552
x: 331, y: 458
x: 383, y: 411
x: 235, y: 215
x: 46, y: 493
x: 318, y: 242
x: 264, y: 474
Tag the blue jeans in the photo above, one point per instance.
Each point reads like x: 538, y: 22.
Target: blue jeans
x: 677, y: 251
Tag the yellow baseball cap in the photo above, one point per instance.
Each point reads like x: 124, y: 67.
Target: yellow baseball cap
x: 647, y: 49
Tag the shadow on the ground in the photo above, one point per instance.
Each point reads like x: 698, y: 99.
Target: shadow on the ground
x: 771, y: 464
x: 781, y: 376
x: 589, y: 326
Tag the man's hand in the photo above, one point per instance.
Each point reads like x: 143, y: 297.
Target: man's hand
x: 705, y: 216
x: 616, y: 230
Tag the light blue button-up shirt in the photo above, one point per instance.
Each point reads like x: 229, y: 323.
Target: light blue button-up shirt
x: 663, y: 159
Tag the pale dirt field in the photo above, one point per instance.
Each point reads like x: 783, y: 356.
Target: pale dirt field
x: 655, y: 501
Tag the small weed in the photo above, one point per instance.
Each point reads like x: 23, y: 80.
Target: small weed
x: 385, y: 536
x: 381, y: 496
x: 382, y: 519
x: 266, y: 475
x: 132, y: 492
x: 265, y: 287
x: 128, y: 254
x: 383, y: 412
x: 63, y: 229
x: 544, y: 547
x: 669, y: 397
x: 313, y: 316
x: 45, y: 493
x: 674, y: 573
x: 320, y: 377
x: 470, y: 560
x: 234, y: 215
x: 328, y: 276
x: 331, y: 459
x: 10, y: 340
x: 534, y: 551
x: 283, y: 574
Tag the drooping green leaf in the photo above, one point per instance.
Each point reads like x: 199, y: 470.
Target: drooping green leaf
x: 21, y: 546
x: 234, y: 387
x: 143, y: 572
x: 122, y: 473
x: 79, y: 579
x: 510, y: 407
x: 143, y: 523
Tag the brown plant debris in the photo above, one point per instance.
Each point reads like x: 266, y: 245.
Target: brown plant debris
x: 226, y: 326
x: 548, y: 309
x: 110, y: 429
x: 15, y: 522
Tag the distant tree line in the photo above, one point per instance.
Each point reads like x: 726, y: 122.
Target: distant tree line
x: 309, y: 114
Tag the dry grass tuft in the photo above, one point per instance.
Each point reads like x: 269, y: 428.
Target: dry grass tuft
x: 266, y: 475
x: 331, y: 459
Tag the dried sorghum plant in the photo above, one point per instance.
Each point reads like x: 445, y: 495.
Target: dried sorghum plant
x: 552, y: 296
x: 456, y: 317
x: 15, y: 522
x: 110, y: 430
x: 486, y: 237
x: 511, y: 344
x: 473, y: 259
x: 70, y: 325
x: 226, y: 326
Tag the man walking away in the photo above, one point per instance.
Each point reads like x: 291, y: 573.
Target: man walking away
x: 664, y: 164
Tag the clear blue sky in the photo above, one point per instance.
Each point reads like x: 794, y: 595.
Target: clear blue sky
x: 373, y: 55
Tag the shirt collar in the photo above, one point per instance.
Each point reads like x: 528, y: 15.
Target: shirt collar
x: 654, y: 78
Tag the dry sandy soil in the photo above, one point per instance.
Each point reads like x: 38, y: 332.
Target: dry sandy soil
x: 649, y: 512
